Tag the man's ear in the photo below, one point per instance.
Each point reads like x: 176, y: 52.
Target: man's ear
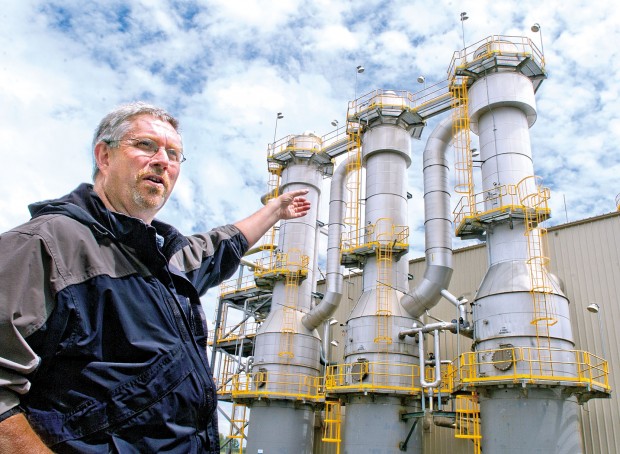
x: 102, y: 156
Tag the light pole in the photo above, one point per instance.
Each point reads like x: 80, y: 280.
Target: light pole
x: 279, y: 116
x: 596, y: 309
x: 536, y: 28
x: 464, y: 17
x: 358, y: 70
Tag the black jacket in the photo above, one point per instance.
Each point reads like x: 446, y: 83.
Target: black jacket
x: 107, y: 334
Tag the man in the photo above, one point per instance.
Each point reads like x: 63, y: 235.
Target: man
x: 102, y: 336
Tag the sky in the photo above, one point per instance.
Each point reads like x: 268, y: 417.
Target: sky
x: 225, y: 68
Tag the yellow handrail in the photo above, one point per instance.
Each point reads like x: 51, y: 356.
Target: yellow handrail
x: 277, y: 384
x: 532, y: 365
x: 237, y: 285
x: 284, y: 263
x: 371, y: 235
x: 373, y: 376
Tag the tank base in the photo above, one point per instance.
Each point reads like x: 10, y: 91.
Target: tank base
x: 280, y: 427
x: 532, y: 420
x: 373, y: 424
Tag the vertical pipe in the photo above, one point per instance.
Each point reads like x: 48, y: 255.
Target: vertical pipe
x: 437, y: 224
x: 334, y: 273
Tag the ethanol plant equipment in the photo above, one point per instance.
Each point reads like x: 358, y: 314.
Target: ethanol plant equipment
x: 519, y: 387
x: 283, y: 388
x: 524, y: 369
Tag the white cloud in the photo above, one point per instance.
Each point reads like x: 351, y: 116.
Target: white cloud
x: 226, y: 70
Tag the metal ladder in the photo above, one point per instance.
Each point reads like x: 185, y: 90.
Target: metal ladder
x: 333, y: 421
x: 353, y: 184
x: 238, y: 423
x: 464, y: 182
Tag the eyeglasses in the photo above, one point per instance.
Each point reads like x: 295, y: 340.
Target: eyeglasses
x: 150, y: 148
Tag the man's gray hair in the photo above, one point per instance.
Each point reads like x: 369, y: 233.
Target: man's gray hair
x: 117, y: 123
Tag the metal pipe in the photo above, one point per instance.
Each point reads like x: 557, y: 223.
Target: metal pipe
x: 440, y: 326
x: 459, y: 303
x: 437, y: 224
x: 437, y: 380
x: 325, y: 350
x: 464, y: 327
x: 334, y: 275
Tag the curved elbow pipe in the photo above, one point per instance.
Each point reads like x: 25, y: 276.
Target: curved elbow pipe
x: 334, y: 276
x: 437, y: 224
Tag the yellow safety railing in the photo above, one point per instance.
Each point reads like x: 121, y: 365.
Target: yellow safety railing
x: 237, y: 285
x: 447, y: 376
x: 238, y: 422
x: 223, y: 375
x: 524, y: 364
x: 274, y: 384
x: 510, y: 47
x: 289, y: 311
x: 353, y: 183
x: 379, y: 376
x: 485, y: 204
x: 398, y: 100
x: 383, y: 331
x: 231, y: 332
x: 273, y: 191
x: 374, y: 236
x: 534, y: 197
x: 282, y: 263
x: 461, y: 142
x: 297, y: 143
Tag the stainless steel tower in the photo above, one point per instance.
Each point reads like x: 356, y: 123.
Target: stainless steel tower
x: 524, y: 367
x: 284, y: 385
x: 378, y: 380
x: 522, y: 381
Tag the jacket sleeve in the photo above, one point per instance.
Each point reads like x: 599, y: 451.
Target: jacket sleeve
x: 212, y: 257
x: 25, y: 302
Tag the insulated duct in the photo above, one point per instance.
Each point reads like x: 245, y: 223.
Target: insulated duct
x: 334, y: 277
x: 437, y: 223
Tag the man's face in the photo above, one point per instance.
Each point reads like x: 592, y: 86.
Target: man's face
x: 134, y: 182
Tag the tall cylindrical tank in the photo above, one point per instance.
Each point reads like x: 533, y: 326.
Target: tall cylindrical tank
x: 506, y: 319
x: 287, y: 355
x: 373, y: 422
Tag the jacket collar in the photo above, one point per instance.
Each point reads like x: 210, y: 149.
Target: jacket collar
x: 84, y: 205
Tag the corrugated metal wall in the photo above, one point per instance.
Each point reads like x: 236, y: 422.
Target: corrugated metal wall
x: 585, y: 255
